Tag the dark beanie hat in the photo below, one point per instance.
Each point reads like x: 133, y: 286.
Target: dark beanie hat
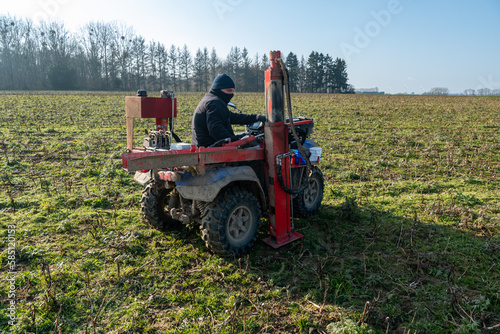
x: 223, y: 81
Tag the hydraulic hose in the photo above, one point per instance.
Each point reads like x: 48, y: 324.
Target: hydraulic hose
x: 282, y: 183
x: 290, y: 116
x: 297, y: 139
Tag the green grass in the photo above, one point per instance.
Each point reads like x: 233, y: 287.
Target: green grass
x: 407, y: 239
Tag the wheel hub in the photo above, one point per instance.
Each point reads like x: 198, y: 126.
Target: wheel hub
x: 239, y: 223
x: 311, y: 192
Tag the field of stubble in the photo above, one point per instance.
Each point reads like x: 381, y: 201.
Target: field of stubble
x: 407, y: 239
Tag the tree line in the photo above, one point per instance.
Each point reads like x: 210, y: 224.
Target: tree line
x: 468, y: 92
x: 111, y: 56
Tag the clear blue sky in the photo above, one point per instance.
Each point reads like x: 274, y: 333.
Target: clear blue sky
x: 396, y: 45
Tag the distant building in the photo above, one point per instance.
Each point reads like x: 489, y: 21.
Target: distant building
x: 369, y: 91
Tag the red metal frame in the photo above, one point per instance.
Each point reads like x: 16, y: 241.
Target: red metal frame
x: 140, y: 159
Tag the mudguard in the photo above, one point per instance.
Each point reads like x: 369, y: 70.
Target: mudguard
x: 206, y: 187
x: 142, y: 178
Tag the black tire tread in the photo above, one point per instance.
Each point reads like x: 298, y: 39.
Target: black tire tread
x: 214, y: 219
x: 299, y: 206
x: 151, y: 207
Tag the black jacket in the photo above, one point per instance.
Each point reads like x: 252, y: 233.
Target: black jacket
x: 212, y: 121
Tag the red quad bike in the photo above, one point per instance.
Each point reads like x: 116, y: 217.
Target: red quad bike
x: 226, y: 188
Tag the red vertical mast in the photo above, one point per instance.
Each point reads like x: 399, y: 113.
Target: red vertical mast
x: 276, y: 140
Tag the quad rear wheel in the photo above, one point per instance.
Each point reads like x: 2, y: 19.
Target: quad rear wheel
x: 308, y: 200
x: 231, y: 222
x: 155, y: 206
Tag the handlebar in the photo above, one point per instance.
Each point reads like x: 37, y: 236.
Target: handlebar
x: 219, y: 142
x: 228, y: 139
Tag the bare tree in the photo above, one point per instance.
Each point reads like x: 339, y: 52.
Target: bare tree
x: 139, y: 57
x: 91, y: 44
x: 111, y: 56
x: 125, y: 36
x: 29, y: 52
x: 8, y: 32
x: 105, y: 38
x: 59, y: 47
x: 438, y: 91
x: 484, y: 91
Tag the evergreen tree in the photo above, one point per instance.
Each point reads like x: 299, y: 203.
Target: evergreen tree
x: 313, y: 73
x: 340, y: 81
x: 329, y: 73
x: 186, y: 63
x: 206, y: 70
x: 198, y: 71
x: 233, y: 64
x: 292, y: 64
x: 173, y: 66
x: 256, y: 82
x: 162, y: 58
x: 246, y: 74
x: 301, y: 85
x: 214, y: 64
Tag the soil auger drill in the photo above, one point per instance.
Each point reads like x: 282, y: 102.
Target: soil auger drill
x: 227, y: 188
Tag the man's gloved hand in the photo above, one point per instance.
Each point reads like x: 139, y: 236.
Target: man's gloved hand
x: 261, y: 118
x: 237, y: 137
